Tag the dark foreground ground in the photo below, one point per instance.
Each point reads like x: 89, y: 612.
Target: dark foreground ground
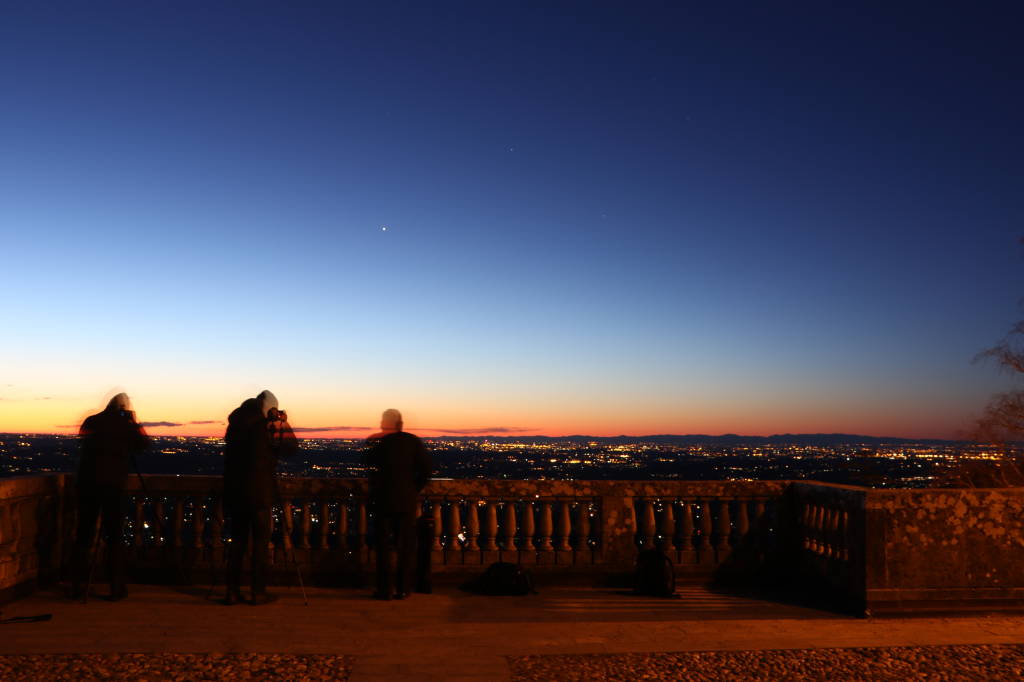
x: 563, y: 633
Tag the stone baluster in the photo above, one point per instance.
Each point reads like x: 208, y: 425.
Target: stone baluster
x: 758, y: 511
x: 158, y: 527
x: 435, y: 509
x: 454, y: 527
x: 325, y: 524
x: 491, y: 527
x: 343, y: 525
x: 807, y: 521
x: 286, y: 525
x: 704, y: 538
x: 563, y: 529
x: 724, y: 528
x: 306, y: 528
x: 138, y: 527
x: 819, y: 529
x: 528, y: 528
x: 648, y: 527
x: 685, y: 524
x: 198, y: 523
x: 472, y: 526
x: 177, y: 521
x: 217, y: 531
x: 742, y: 520
x: 583, y: 527
x: 544, y: 527
x: 834, y: 539
x: 362, y: 526
x: 844, y: 535
x: 509, y: 529
x: 667, y: 527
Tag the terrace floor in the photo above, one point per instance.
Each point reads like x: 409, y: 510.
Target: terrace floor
x: 457, y: 636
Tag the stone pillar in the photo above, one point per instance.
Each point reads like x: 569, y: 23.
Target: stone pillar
x: 325, y: 525
x: 343, y: 525
x: 687, y: 555
x: 667, y: 530
x: 158, y: 527
x: 198, y: 524
x: 564, y: 526
x: 648, y: 527
x: 704, y: 553
x: 724, y: 528
x: 435, y: 510
x: 583, y: 554
x: 491, y: 527
x: 307, y: 525
x: 138, y: 528
x: 509, y: 530
x: 178, y: 521
x: 742, y: 520
x: 527, y: 545
x: 286, y: 527
x: 472, y: 532
x: 545, y: 528
x: 362, y: 527
x: 454, y: 553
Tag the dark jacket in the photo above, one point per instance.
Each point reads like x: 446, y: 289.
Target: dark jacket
x: 109, y: 439
x: 399, y: 468
x: 251, y: 450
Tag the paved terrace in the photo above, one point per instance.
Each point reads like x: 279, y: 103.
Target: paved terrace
x: 452, y: 635
x: 894, y: 552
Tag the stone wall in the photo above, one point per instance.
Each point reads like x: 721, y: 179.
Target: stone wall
x: 33, y: 524
x: 944, y: 546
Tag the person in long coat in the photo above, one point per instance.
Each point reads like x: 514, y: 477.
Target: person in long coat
x: 399, y: 469
x: 109, y: 439
x: 258, y: 434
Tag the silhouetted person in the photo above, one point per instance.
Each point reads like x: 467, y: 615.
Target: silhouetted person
x: 109, y: 440
x: 399, y: 468
x: 258, y: 434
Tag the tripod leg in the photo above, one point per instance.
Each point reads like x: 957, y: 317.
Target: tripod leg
x: 302, y: 586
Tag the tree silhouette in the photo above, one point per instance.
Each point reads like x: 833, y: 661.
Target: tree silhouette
x: 1003, y: 419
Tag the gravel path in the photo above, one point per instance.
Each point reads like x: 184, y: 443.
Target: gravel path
x: 174, y: 667
x: 989, y: 662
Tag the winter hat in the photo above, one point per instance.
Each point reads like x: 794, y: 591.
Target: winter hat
x: 391, y: 419
x: 266, y: 402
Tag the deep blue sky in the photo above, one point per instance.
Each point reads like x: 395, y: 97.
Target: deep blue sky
x: 628, y: 218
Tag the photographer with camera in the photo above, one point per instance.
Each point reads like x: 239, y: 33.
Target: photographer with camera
x: 109, y: 440
x: 258, y: 434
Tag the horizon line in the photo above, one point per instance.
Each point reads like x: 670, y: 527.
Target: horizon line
x: 300, y: 436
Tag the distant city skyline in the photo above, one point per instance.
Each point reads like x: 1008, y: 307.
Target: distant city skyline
x: 552, y: 220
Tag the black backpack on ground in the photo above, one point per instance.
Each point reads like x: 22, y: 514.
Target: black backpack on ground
x: 502, y: 578
x: 424, y: 547
x: 654, y: 575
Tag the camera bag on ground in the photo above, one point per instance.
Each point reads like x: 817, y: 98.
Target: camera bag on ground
x: 654, y: 575
x: 502, y: 578
x: 424, y: 547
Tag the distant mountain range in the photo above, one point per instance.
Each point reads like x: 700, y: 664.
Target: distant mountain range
x: 725, y: 440
x: 728, y: 439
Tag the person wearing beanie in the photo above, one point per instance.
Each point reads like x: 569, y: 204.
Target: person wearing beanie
x: 109, y: 440
x: 399, y: 468
x: 258, y: 434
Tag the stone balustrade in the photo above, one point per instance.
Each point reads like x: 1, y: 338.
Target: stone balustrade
x: 868, y: 549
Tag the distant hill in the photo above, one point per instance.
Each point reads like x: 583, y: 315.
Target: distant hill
x: 728, y: 439
x: 725, y: 440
